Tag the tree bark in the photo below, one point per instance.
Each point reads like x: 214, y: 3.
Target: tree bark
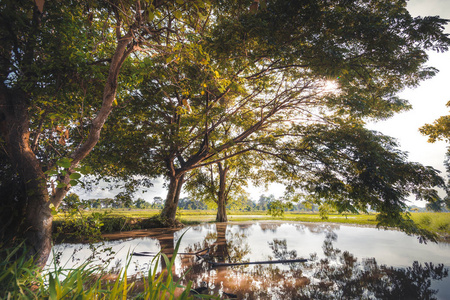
x: 222, y: 195
x: 31, y: 211
x: 169, y: 211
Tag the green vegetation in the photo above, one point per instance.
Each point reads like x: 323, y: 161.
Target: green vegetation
x: 438, y: 223
x: 20, y: 278
x: 129, y: 219
x: 235, y: 86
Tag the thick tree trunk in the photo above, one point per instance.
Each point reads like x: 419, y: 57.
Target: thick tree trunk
x: 169, y: 211
x: 32, y: 214
x: 222, y: 195
x: 221, y: 211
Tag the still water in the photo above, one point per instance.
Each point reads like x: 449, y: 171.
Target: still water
x: 343, y: 262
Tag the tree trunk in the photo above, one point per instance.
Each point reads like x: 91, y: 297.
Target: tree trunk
x: 221, y: 211
x: 222, y: 195
x: 31, y: 215
x: 169, y: 211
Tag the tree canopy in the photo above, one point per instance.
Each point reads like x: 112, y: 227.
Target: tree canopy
x: 190, y: 84
x: 258, y: 81
x: 61, y: 66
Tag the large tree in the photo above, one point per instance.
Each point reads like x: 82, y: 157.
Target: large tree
x: 60, y: 69
x: 261, y: 72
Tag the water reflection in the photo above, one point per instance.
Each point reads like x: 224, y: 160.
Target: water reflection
x: 338, y: 275
x: 332, y: 271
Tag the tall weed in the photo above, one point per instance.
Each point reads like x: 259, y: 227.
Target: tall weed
x: 20, y: 278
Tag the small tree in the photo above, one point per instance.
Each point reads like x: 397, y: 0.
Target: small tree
x: 439, y: 130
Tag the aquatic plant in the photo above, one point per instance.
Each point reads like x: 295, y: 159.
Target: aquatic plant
x: 20, y: 278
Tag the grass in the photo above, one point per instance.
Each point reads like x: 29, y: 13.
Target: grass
x: 438, y: 223
x: 20, y: 278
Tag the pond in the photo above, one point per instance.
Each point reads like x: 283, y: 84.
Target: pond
x: 341, y: 261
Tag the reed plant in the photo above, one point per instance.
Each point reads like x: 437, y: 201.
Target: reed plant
x: 20, y: 278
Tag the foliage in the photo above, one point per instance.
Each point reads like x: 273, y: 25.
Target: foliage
x: 17, y: 274
x: 76, y: 225
x: 190, y: 203
x: 277, y: 208
x: 208, y: 82
x: 256, y: 83
x: 205, y: 183
x: 434, y: 222
x: 357, y: 170
x: 64, y: 67
x: 20, y: 278
x: 439, y: 130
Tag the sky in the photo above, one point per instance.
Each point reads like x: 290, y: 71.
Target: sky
x: 428, y: 102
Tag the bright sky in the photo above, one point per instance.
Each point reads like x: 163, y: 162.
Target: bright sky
x: 428, y: 101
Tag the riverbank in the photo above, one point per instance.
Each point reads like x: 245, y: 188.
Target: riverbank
x: 117, y: 220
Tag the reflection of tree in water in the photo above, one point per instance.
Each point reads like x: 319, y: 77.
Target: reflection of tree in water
x: 321, y: 228
x: 338, y: 275
x: 223, y: 247
x: 269, y: 227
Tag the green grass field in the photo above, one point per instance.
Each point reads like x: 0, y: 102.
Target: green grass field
x: 436, y: 222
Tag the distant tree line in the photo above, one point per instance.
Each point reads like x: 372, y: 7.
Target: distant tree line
x: 264, y: 203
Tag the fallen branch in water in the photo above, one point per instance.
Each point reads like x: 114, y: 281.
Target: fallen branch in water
x: 145, y: 253
x: 214, y: 264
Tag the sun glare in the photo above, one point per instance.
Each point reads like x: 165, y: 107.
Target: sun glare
x: 331, y: 87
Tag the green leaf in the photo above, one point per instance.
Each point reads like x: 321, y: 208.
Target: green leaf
x: 73, y: 182
x: 51, y: 172
x: 61, y: 185
x: 151, y: 16
x: 75, y: 176
x: 64, y: 162
x: 54, y: 211
x: 84, y: 170
x: 52, y: 288
x: 177, y: 14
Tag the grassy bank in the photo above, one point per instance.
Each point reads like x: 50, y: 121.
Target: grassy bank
x: 129, y: 219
